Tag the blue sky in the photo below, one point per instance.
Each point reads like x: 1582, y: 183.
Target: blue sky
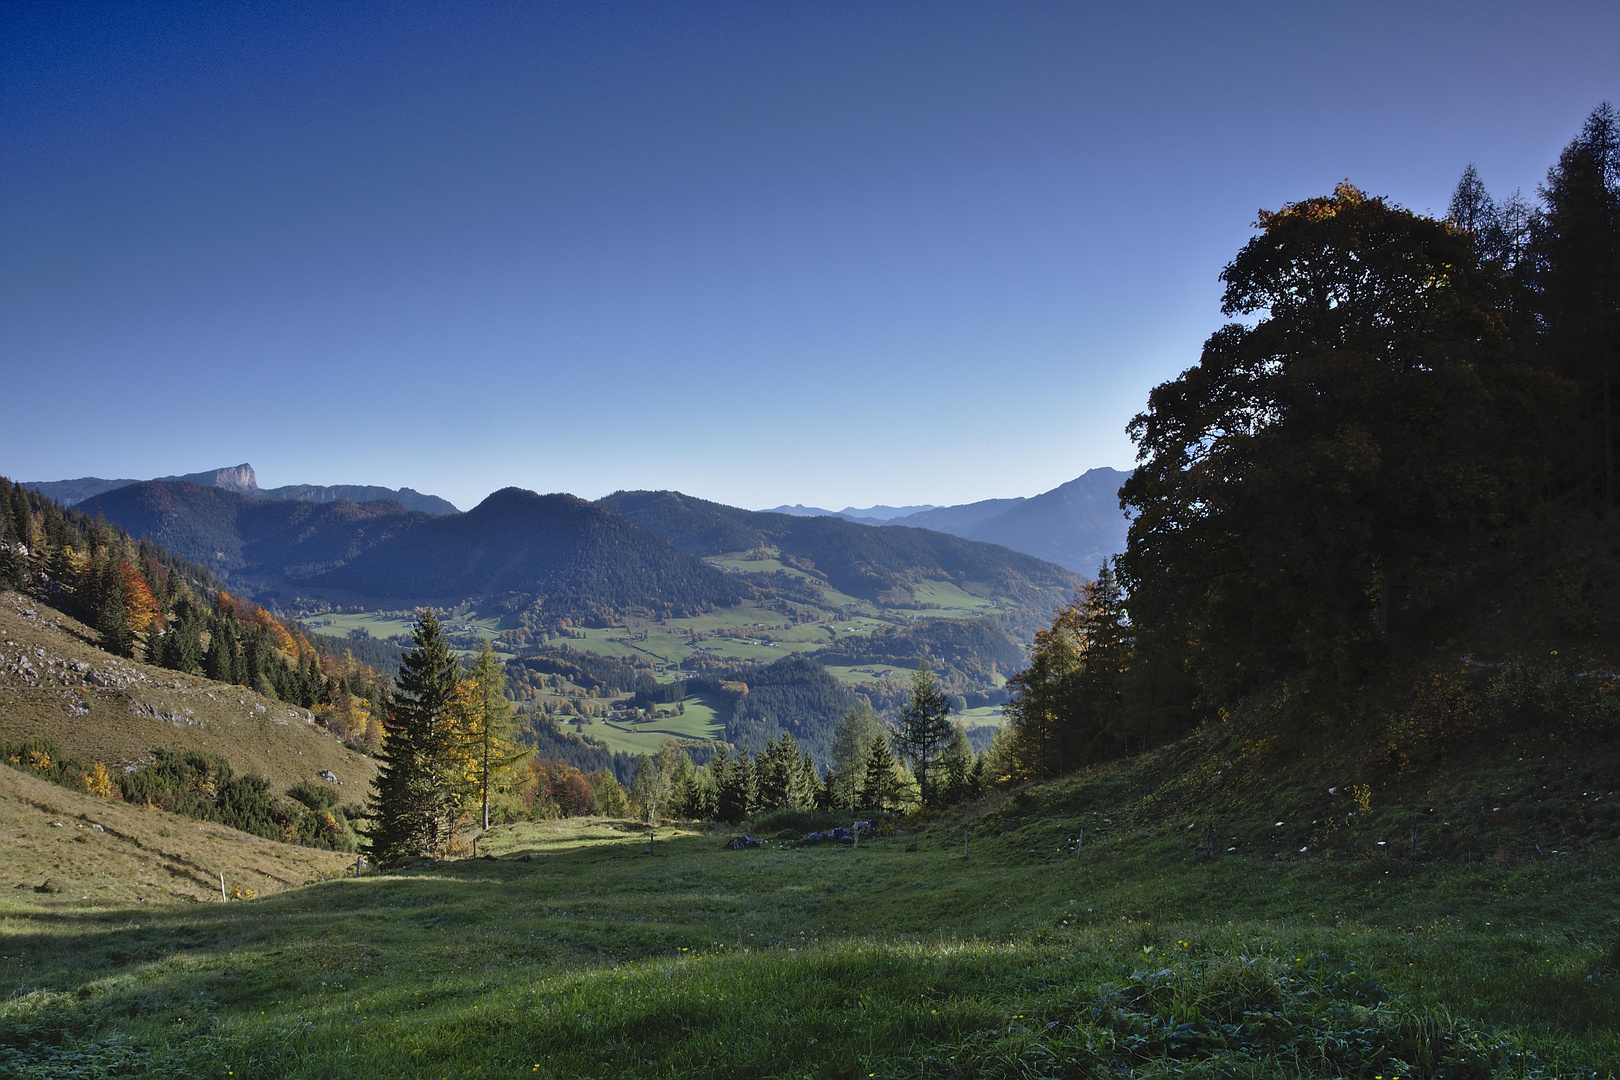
x: 825, y: 253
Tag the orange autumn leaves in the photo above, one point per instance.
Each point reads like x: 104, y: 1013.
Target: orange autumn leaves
x: 141, y: 607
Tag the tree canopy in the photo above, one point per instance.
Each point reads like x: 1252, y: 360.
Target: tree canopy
x: 1323, y: 470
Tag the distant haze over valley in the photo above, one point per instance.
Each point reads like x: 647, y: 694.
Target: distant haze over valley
x: 1076, y: 525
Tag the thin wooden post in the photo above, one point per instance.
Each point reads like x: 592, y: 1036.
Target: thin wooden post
x: 222, y: 895
x: 1079, y: 844
x: 855, y: 831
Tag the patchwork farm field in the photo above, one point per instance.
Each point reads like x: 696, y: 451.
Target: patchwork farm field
x: 380, y: 624
x: 705, y: 718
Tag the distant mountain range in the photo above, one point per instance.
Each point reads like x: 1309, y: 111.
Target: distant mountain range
x: 240, y: 479
x: 561, y: 554
x: 557, y: 556
x: 1076, y: 525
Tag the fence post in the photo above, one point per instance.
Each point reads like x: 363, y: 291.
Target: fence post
x: 222, y: 895
x: 1079, y: 844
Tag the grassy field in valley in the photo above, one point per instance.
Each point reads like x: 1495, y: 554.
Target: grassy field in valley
x: 705, y: 718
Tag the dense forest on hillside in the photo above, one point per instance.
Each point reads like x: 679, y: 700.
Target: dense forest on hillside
x: 255, y: 544
x: 1398, y: 462
x: 383, y: 656
x: 875, y: 563
x: 575, y: 560
x: 150, y: 604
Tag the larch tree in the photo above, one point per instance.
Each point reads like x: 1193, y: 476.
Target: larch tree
x: 925, y: 726
x: 492, y: 732
x: 851, y: 749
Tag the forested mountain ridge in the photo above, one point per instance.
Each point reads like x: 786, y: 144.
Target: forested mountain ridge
x: 241, y: 478
x: 575, y: 557
x: 265, y: 545
x: 880, y: 563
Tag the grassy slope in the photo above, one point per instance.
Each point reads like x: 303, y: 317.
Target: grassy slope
x: 137, y: 857
x: 152, y: 707
x: 906, y: 959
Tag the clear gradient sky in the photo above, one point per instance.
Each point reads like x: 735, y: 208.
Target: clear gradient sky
x: 833, y: 253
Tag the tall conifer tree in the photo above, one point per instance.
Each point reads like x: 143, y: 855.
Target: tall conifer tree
x: 410, y: 804
x: 925, y: 726
x: 879, y: 786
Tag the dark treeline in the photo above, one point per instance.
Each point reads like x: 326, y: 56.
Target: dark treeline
x: 382, y: 656
x: 923, y: 761
x: 1409, y: 442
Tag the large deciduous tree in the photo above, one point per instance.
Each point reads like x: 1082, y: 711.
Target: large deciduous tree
x: 1321, y: 470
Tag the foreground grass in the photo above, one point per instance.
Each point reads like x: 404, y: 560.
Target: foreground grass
x: 900, y: 959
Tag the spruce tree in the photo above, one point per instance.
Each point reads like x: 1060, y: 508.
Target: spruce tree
x: 217, y: 660
x: 772, y: 773
x: 878, y: 786
x: 1577, y: 280
x: 23, y: 516
x: 410, y: 801
x: 8, y: 519
x: 736, y: 797
x: 112, y: 613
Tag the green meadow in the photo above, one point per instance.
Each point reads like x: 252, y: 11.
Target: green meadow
x: 1086, y: 931
x: 386, y: 625
x: 705, y: 718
